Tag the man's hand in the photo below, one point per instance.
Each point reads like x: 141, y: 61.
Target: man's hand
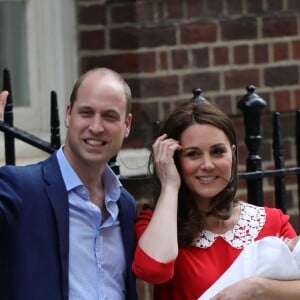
x: 3, y: 98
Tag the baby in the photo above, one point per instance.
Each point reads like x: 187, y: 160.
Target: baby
x: 268, y: 257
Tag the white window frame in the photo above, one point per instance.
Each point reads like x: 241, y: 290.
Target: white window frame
x: 52, y: 65
x: 52, y: 59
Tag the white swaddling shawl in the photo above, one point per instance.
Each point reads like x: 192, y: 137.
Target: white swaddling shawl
x: 269, y: 257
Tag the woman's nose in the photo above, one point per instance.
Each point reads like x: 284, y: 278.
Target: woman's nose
x: 207, y: 163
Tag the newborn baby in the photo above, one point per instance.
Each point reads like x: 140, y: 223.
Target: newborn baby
x: 268, y: 257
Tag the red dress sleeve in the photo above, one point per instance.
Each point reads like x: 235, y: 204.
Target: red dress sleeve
x: 277, y: 223
x: 144, y: 266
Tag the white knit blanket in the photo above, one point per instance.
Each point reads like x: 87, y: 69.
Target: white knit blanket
x: 269, y: 257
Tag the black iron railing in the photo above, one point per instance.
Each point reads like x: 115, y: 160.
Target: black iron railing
x: 251, y: 105
x: 11, y: 132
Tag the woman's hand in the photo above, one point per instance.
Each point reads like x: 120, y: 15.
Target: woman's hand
x: 163, y: 151
x: 243, y: 290
x: 260, y: 288
x: 159, y: 239
x: 3, y: 99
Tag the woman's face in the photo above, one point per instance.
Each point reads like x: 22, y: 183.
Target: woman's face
x: 205, y: 160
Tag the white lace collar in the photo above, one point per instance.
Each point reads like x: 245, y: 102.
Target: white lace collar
x: 252, y: 219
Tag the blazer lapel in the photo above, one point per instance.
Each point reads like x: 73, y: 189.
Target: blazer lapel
x: 127, y: 214
x: 58, y: 198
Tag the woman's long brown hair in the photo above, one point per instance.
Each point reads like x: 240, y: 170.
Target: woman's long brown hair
x: 189, y: 218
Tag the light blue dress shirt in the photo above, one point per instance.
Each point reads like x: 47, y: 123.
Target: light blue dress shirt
x: 97, y: 263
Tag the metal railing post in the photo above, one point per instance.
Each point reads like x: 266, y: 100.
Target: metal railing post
x: 278, y: 155
x: 251, y: 105
x: 9, y: 142
x: 54, y: 123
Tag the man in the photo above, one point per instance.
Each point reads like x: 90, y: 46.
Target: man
x: 66, y: 224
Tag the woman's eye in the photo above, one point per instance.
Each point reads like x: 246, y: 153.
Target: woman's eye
x: 219, y: 151
x: 192, y: 154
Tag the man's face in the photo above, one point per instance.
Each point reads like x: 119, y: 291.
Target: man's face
x: 97, y: 123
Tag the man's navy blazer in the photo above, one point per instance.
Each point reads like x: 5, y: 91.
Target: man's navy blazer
x: 34, y: 233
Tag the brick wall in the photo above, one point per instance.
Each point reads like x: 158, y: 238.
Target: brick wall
x: 166, y: 48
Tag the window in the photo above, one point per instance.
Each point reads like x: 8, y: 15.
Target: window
x: 13, y: 50
x: 38, y: 43
x: 39, y: 46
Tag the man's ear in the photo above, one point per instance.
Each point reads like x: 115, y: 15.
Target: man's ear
x: 128, y: 125
x: 67, y: 116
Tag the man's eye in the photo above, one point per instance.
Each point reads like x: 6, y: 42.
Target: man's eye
x: 85, y: 113
x: 111, y: 117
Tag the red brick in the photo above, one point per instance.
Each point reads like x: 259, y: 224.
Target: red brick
x: 166, y: 108
x: 296, y: 49
x: 277, y: 26
x: 224, y: 102
x: 221, y: 56
x: 269, y: 199
x: 282, y: 75
x: 287, y: 123
x: 261, y: 54
x: 92, y: 40
x: 160, y: 11
x: 145, y: 112
x: 294, y: 4
x: 179, y: 59
x: 234, y: 7
x: 124, y: 38
x: 147, y: 62
x: 288, y: 145
x: 297, y: 98
x: 236, y: 79
x: 198, y: 32
x: 280, y: 51
x: 200, y: 58
x: 163, y: 59
x: 157, y: 36
x: 239, y: 28
x: 274, y: 5
x: 241, y: 54
x: 242, y: 148
x: 92, y: 14
x: 206, y: 81
x: 282, y: 100
x: 145, y: 11
x: 254, y: 6
x: 214, y: 7
x: 158, y: 86
x: 195, y: 8
x: 239, y: 124
x: 122, y: 63
x: 174, y: 9
x: 122, y: 14
x: 134, y: 84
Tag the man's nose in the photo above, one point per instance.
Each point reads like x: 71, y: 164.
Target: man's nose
x: 96, y: 124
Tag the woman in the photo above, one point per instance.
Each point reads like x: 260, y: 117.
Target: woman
x: 198, y: 227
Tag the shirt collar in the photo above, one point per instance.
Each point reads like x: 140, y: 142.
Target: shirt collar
x: 110, y: 181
